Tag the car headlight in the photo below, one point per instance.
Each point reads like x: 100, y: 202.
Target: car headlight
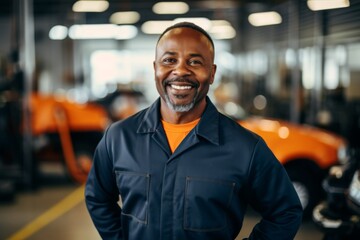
x: 342, y: 154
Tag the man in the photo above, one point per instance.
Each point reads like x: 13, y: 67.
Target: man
x: 182, y: 169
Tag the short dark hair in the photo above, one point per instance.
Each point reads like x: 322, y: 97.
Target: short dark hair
x: 188, y: 25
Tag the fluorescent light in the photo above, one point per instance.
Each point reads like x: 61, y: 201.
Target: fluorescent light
x: 126, y: 32
x: 219, y: 29
x: 58, y: 32
x: 128, y: 17
x: 155, y: 27
x: 170, y: 8
x: 264, y: 18
x: 317, y: 5
x: 90, y: 6
x: 222, y: 32
x: 205, y: 23
x: 102, y: 31
x: 92, y: 31
x: 222, y: 29
x: 220, y: 23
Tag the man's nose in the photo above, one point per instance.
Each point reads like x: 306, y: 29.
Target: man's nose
x: 182, y: 69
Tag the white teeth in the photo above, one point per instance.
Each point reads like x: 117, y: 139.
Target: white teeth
x: 180, y: 87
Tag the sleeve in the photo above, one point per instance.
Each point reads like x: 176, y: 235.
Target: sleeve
x: 102, y: 194
x: 273, y: 196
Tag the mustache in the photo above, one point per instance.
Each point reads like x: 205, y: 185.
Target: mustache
x: 191, y: 82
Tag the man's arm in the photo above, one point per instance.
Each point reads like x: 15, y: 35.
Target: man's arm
x: 101, y: 195
x: 273, y: 196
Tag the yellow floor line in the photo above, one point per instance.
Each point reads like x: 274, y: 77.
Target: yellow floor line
x: 50, y: 215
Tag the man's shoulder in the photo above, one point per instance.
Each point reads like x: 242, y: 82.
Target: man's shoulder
x: 234, y: 128
x: 129, y: 123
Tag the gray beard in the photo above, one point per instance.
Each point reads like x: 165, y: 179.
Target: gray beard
x: 180, y: 108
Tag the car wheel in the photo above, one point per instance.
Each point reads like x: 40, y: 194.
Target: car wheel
x: 302, y: 192
x: 307, y: 187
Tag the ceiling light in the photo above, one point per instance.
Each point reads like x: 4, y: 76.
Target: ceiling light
x: 220, y: 23
x: 126, y: 32
x: 102, y: 31
x: 58, y: 32
x: 317, y: 5
x: 216, y: 27
x: 129, y: 17
x: 155, y: 27
x: 205, y: 23
x: 264, y: 18
x: 92, y: 31
x: 223, y: 32
x: 170, y: 8
x: 90, y: 6
x: 222, y: 29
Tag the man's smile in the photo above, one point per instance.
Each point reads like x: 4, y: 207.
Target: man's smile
x: 180, y: 90
x: 180, y: 87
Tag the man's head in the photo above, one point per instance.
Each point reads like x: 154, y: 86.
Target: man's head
x: 188, y: 25
x: 184, y: 66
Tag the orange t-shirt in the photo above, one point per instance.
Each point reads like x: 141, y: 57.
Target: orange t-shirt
x: 175, y: 133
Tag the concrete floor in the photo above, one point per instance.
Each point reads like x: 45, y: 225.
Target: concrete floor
x: 58, y: 212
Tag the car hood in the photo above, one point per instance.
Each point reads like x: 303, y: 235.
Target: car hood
x: 276, y: 131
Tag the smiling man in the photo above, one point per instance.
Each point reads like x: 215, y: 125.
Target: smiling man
x: 183, y: 170
x: 184, y: 71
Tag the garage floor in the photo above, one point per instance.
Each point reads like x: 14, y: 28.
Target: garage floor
x: 58, y: 211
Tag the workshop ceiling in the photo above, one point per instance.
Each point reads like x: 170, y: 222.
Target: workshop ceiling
x: 62, y: 9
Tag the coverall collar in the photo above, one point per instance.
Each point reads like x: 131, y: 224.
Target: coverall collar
x: 207, y: 128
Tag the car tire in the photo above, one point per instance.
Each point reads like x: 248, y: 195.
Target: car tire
x: 307, y: 187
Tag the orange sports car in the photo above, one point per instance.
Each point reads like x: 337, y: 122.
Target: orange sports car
x: 306, y: 153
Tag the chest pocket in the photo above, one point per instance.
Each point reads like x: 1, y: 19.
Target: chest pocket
x: 206, y: 204
x: 134, y: 191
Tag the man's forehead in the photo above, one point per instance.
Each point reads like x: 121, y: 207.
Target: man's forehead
x: 177, y: 33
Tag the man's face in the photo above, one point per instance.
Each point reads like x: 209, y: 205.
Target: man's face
x: 184, y: 68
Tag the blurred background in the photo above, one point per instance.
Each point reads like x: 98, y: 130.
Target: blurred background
x: 287, y: 69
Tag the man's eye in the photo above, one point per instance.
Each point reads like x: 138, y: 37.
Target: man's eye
x: 169, y: 60
x: 195, y: 62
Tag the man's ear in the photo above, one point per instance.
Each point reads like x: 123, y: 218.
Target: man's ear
x: 213, y: 71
